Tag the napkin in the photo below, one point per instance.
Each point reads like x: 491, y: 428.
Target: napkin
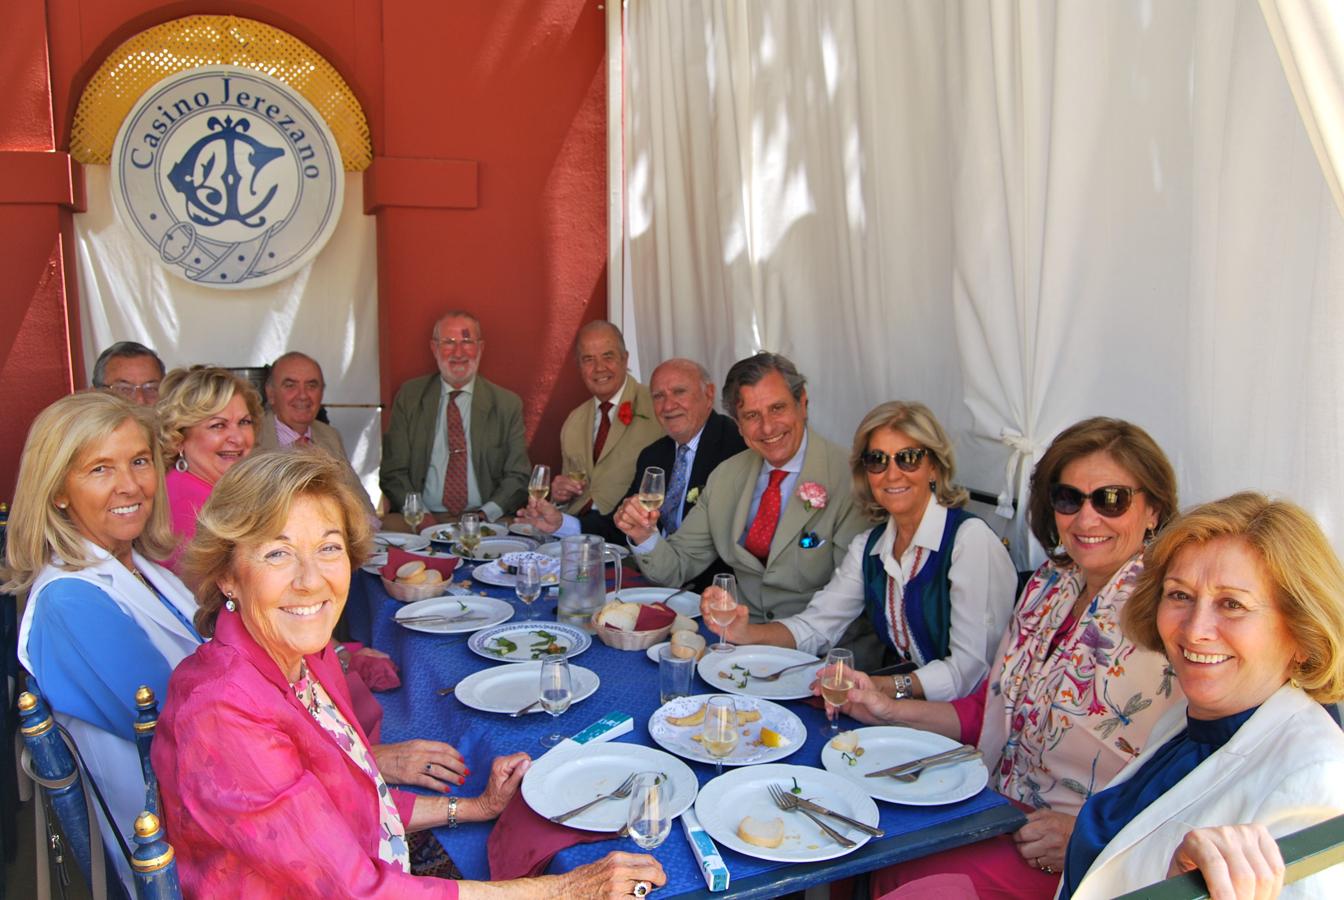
x: 522, y: 843
x: 378, y: 671
x: 397, y: 557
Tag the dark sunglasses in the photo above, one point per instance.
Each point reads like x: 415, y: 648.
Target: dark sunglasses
x: 1110, y: 501
x: 907, y: 460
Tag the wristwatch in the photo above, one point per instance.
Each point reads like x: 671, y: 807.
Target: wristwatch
x: 903, y: 687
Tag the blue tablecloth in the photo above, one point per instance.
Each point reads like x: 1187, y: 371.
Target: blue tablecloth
x: 629, y: 684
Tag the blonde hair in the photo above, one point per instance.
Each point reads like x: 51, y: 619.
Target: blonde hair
x: 1302, y: 568
x: 188, y: 397
x: 916, y: 421
x: 251, y: 503
x: 37, y: 530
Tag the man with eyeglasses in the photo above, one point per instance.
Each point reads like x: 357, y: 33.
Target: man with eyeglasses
x: 131, y: 371
x: 455, y: 438
x: 781, y: 514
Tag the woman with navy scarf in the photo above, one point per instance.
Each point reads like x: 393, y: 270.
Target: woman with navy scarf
x: 934, y: 580
x: 1245, y: 598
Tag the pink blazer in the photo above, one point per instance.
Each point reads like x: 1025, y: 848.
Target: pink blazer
x: 258, y: 800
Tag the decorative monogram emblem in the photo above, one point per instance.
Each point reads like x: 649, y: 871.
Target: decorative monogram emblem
x: 231, y: 177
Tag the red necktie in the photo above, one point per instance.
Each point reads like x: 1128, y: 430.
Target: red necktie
x: 455, y: 476
x: 602, y: 428
x: 762, y: 530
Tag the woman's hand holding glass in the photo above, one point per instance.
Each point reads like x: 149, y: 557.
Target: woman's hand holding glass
x: 865, y: 702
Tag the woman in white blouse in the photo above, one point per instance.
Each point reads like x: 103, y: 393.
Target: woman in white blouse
x: 934, y: 580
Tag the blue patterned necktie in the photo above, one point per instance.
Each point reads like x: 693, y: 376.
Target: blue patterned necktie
x: 676, y: 492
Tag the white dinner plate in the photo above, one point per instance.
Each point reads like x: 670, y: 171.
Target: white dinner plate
x: 408, y: 542
x: 885, y: 746
x: 375, y: 562
x: 564, y: 779
x: 491, y: 549
x: 680, y: 739
x: 473, y: 611
x: 522, y: 529
x: 447, y: 533
x: 507, y: 689
x: 654, y: 653
x: 687, y: 604
x: 493, y: 575
x: 553, y: 549
x: 717, y: 669
x: 493, y: 643
x: 726, y: 800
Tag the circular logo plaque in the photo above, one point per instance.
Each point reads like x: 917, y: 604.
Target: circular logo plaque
x: 232, y: 177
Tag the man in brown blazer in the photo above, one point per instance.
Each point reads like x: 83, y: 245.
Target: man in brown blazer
x: 617, y: 423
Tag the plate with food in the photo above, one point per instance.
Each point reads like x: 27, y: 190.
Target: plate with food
x: 491, y: 549
x: 765, y: 731
x: 571, y: 776
x: 683, y: 603
x: 854, y: 754
x: 446, y: 533
x: 529, y: 641
x: 460, y: 613
x: 737, y: 811
x: 493, y: 575
x: 507, y: 689
x: 733, y: 672
x: 409, y: 542
x: 689, y: 644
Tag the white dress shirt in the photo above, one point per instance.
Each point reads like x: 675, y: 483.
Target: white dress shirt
x: 615, y: 402
x: 983, y: 584
x: 438, y: 455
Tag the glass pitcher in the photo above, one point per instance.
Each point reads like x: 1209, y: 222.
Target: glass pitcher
x: 583, y: 582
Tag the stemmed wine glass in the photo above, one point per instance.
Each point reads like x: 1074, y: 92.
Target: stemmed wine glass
x: 540, y: 483
x: 647, y: 819
x: 719, y: 735
x: 722, y: 609
x: 413, y: 511
x: 652, y: 488
x: 556, y: 692
x: 836, y: 680
x: 527, y: 585
x: 469, y: 533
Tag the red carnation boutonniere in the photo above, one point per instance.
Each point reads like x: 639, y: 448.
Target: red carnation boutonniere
x: 626, y: 413
x: 812, y: 494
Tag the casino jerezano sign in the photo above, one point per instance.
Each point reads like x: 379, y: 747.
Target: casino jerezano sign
x: 232, y: 177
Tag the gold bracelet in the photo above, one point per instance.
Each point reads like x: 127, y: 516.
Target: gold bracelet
x: 452, y: 812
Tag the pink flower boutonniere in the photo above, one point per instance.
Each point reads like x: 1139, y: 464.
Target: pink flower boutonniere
x: 626, y: 413
x: 812, y: 494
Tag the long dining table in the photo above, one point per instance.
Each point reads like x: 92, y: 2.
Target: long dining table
x: 629, y: 684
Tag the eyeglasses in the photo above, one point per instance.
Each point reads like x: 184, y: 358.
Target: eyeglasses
x: 149, y: 390
x: 1111, y: 501
x: 451, y: 344
x: 907, y: 460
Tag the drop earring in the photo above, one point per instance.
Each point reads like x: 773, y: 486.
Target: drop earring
x: 229, y: 604
x: 181, y: 464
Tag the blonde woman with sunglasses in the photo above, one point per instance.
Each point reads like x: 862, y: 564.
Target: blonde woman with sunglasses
x: 933, y: 580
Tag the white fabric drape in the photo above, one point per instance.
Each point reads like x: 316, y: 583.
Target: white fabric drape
x: 328, y: 309
x: 1021, y: 214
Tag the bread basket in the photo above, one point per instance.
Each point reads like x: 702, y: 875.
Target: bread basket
x: 409, y: 593
x: 629, y: 640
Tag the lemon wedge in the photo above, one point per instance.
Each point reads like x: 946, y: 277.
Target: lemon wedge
x: 773, y: 738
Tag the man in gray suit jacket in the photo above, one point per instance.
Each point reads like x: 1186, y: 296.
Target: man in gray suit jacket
x: 750, y: 514
x: 485, y: 466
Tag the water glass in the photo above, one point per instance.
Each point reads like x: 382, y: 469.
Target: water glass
x: 527, y: 585
x: 723, y: 610
x: 836, y: 679
x: 556, y: 692
x: 647, y: 819
x: 674, y: 674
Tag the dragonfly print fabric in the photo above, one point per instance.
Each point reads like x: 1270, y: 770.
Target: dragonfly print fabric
x: 1061, y: 721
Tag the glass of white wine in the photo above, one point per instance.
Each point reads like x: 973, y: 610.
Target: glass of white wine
x: 647, y: 818
x: 652, y: 488
x: 724, y: 608
x: 540, y: 483
x: 556, y: 692
x: 469, y: 533
x: 836, y: 680
x: 579, y: 477
x: 719, y: 735
x: 527, y: 585
x: 413, y: 511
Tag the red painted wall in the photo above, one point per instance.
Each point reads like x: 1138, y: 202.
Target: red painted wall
x: 515, y: 88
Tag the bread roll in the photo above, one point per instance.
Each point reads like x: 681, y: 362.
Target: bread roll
x: 845, y: 741
x: 682, y: 623
x: 768, y: 833
x: 687, y: 644
x: 410, y: 569
x: 433, y: 576
x: 619, y: 615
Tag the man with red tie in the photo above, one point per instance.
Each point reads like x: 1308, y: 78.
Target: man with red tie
x: 455, y: 438
x: 780, y: 513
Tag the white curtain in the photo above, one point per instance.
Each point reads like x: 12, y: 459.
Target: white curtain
x: 328, y: 309
x: 1021, y: 214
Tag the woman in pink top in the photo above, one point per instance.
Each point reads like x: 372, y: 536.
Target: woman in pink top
x: 207, y: 419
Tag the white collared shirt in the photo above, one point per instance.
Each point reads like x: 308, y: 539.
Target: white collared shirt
x: 615, y: 402
x: 438, y: 454
x: 983, y: 588
x: 286, y: 436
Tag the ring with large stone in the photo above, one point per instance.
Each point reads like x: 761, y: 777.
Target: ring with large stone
x: 642, y: 888
x: 428, y: 766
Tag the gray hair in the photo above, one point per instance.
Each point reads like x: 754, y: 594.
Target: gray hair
x: 286, y: 357
x: 459, y: 314
x: 598, y: 325
x: 122, y: 350
x: 749, y: 371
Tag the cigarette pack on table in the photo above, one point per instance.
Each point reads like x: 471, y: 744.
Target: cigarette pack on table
x: 609, y: 727
x: 711, y: 863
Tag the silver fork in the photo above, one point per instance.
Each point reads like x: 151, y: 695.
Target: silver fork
x: 785, y: 802
x: 619, y: 794
x: 913, y: 775
x: 775, y: 676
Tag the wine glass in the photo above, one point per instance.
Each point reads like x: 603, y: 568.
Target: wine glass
x: 556, y: 692
x: 722, y: 610
x: 652, y: 489
x: 836, y: 680
x: 647, y: 818
x: 580, y: 477
x: 540, y: 483
x: 527, y: 585
x: 413, y: 511
x: 719, y: 735
x: 469, y: 533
